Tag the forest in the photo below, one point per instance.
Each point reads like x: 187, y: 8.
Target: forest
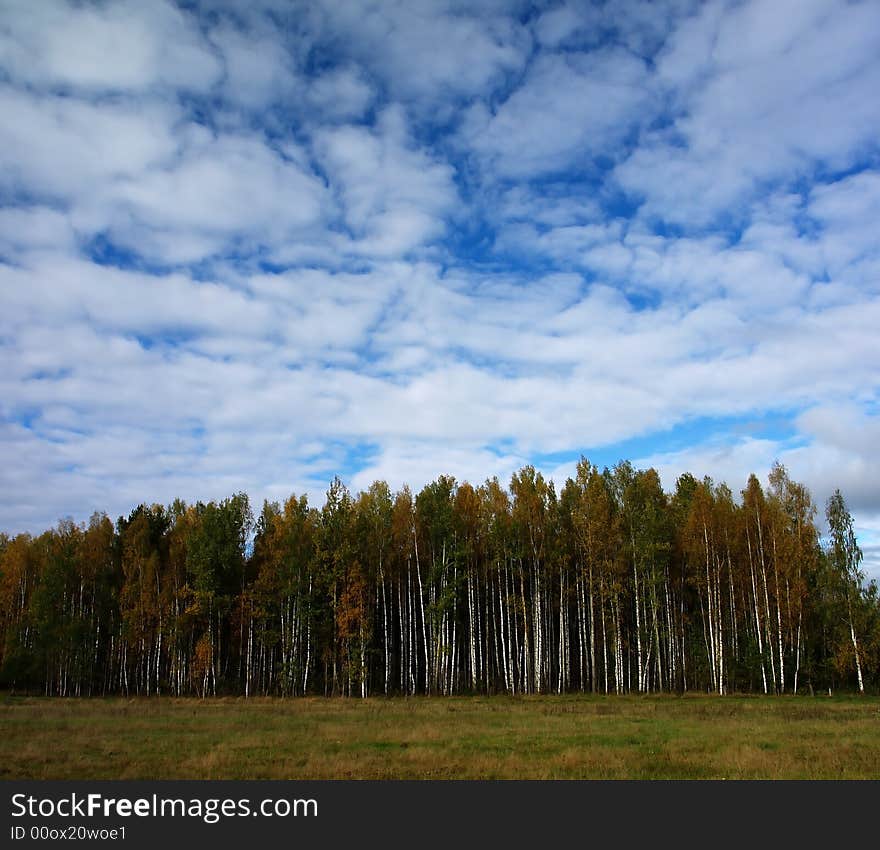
x: 610, y: 585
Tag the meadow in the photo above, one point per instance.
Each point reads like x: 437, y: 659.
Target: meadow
x: 536, y: 737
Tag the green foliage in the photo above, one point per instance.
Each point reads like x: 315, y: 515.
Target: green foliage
x: 610, y: 585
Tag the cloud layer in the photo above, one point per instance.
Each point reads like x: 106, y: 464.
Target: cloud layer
x: 253, y: 246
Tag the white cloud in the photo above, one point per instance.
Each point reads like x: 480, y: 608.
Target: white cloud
x: 416, y: 464
x: 570, y: 108
x: 557, y: 25
x: 394, y: 261
x: 394, y: 196
x: 426, y: 50
x: 847, y: 211
x: 62, y: 148
x: 641, y: 26
x: 27, y: 229
x: 257, y: 68
x: 842, y: 453
x: 120, y: 46
x: 341, y: 94
x: 220, y: 192
x: 764, y: 93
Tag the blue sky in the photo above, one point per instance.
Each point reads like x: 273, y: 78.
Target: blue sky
x: 253, y: 245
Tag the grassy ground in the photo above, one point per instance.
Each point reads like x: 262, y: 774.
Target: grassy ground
x: 570, y: 737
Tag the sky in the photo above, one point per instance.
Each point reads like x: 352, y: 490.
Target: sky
x: 251, y: 246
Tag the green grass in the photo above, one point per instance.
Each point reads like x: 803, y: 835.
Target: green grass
x: 542, y: 737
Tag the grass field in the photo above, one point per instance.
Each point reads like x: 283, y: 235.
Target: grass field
x: 546, y: 737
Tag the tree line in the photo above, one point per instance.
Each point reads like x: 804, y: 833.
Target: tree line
x: 609, y: 586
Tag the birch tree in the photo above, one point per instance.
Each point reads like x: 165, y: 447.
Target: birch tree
x: 845, y: 557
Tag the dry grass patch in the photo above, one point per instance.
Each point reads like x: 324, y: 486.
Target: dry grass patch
x: 547, y: 737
